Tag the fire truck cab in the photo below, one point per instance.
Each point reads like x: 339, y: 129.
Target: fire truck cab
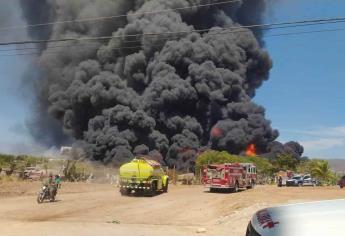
x: 229, y: 176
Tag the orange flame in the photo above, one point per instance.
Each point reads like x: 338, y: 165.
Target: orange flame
x: 251, y: 150
x: 216, y: 132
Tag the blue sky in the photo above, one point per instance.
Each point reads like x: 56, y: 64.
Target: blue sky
x: 13, y: 103
x: 14, y: 100
x: 304, y: 97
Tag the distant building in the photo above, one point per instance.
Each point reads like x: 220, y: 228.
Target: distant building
x: 66, y: 151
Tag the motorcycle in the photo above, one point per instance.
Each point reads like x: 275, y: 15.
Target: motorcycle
x: 45, y: 194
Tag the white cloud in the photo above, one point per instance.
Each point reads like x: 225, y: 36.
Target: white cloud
x: 334, y: 132
x: 325, y: 142
x: 28, y: 148
x: 322, y: 144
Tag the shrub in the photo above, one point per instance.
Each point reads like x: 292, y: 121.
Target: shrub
x: 264, y: 167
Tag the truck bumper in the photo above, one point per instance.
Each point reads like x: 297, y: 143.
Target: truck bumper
x: 218, y: 186
x: 143, y: 185
x: 133, y: 187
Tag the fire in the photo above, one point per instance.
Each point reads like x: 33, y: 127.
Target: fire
x: 216, y: 132
x: 251, y: 150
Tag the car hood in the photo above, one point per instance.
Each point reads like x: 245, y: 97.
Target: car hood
x: 304, y: 219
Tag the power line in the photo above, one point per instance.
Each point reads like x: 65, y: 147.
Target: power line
x: 36, y: 48
x: 116, y: 16
x: 176, y: 37
x: 292, y: 23
x: 161, y: 44
x: 306, y: 32
x: 57, y: 52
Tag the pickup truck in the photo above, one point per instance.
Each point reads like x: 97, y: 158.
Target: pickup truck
x: 309, y: 181
x: 295, y: 181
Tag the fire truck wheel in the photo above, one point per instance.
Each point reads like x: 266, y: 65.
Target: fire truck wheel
x: 236, y: 187
x: 252, y: 185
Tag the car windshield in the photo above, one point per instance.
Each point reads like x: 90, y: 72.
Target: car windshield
x: 168, y: 117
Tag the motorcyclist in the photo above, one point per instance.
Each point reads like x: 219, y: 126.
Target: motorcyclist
x: 51, y: 185
x: 58, y: 181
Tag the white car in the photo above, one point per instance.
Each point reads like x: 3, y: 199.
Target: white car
x: 303, y: 219
x: 308, y: 181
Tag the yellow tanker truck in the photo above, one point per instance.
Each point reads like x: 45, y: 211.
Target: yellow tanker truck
x: 143, y: 176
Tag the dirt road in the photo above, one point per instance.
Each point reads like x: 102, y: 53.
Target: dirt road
x: 98, y: 209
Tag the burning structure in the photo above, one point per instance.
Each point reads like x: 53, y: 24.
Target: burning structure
x: 148, y: 89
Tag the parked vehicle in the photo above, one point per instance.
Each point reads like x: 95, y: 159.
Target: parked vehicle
x: 187, y: 178
x: 282, y: 177
x: 297, y: 180
x: 229, y: 176
x: 309, y: 181
x: 341, y: 182
x: 302, y: 219
x: 33, y: 173
x: 143, y: 176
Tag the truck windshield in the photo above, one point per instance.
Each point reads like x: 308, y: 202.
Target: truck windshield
x: 215, y: 173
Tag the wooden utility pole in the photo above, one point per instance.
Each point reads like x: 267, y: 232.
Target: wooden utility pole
x: 174, y: 174
x: 200, y: 173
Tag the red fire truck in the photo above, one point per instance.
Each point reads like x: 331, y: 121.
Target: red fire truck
x: 229, y: 176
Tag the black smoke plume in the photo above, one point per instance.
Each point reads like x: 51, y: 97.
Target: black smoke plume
x: 161, y: 95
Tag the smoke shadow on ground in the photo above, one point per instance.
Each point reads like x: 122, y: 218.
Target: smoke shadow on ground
x: 223, y: 191
x: 143, y: 195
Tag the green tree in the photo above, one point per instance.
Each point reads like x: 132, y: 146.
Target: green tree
x: 285, y: 161
x: 12, y: 167
x: 323, y: 172
x: 306, y: 166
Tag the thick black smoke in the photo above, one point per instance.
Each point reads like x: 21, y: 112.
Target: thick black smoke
x: 293, y: 148
x: 162, y: 95
x: 37, y: 12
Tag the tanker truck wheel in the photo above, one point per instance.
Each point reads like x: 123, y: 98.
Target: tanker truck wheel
x: 122, y: 191
x: 165, y: 189
x: 152, y: 190
x: 125, y: 192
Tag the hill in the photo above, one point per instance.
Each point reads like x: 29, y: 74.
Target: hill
x: 337, y: 165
